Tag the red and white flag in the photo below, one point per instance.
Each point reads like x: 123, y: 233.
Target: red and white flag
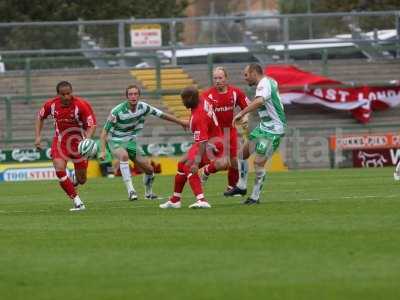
x: 298, y: 86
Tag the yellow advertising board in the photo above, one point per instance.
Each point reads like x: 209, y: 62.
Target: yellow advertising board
x: 45, y: 170
x: 39, y: 171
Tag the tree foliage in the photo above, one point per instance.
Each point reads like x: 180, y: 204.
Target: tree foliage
x: 59, y: 37
x: 301, y: 6
x: 68, y: 10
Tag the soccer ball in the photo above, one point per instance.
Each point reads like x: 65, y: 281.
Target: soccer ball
x: 87, y: 148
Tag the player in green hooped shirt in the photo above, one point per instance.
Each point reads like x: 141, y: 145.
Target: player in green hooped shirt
x: 264, y: 140
x: 121, y: 129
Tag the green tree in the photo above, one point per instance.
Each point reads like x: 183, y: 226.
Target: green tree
x: 59, y: 37
x: 301, y: 6
x: 68, y: 10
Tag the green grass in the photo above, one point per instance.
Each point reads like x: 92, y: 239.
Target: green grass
x: 316, y: 235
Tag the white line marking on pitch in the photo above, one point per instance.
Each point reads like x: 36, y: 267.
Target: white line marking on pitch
x: 90, y: 208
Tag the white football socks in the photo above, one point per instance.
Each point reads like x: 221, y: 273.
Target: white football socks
x: 258, y: 184
x: 243, y: 174
x: 148, y: 184
x: 126, y: 175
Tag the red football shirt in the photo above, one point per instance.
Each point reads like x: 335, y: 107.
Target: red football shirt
x: 71, y: 119
x: 204, y: 123
x: 225, y: 103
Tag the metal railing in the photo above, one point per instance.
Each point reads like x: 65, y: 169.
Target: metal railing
x: 217, y: 31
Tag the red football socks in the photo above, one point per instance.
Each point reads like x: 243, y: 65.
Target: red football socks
x: 233, y: 176
x: 181, y: 177
x: 195, y: 184
x: 66, y: 184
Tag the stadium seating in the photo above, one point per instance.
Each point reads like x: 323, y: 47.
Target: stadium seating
x: 111, y: 83
x: 172, y: 79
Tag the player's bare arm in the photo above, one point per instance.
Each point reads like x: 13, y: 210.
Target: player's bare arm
x: 257, y: 103
x: 245, y: 122
x: 171, y: 118
x: 90, y: 131
x: 38, y: 132
x: 103, y: 142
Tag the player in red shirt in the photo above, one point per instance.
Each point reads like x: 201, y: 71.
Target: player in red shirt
x: 208, y: 147
x: 74, y: 120
x: 225, y: 98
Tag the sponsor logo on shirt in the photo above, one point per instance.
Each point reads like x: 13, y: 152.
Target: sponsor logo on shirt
x: 223, y: 108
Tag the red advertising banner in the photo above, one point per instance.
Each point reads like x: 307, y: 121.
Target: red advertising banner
x: 299, y: 86
x: 374, y: 158
x: 365, y: 141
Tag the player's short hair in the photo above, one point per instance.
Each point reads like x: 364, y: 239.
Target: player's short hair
x: 255, y: 67
x: 190, y: 96
x: 189, y: 92
x: 132, y: 86
x: 220, y: 68
x: 62, y: 84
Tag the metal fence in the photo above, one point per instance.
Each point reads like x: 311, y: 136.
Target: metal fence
x: 274, y: 34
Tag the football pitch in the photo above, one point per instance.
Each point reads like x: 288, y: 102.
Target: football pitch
x: 331, y: 234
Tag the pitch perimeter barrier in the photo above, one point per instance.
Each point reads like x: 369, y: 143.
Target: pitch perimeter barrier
x: 306, y: 147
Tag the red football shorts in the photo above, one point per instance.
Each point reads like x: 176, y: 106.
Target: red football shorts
x: 68, y: 151
x: 213, y: 152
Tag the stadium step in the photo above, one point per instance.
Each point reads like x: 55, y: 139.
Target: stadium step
x: 172, y: 79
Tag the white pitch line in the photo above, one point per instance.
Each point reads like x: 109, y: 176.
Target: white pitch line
x: 314, y: 199
x: 133, y: 206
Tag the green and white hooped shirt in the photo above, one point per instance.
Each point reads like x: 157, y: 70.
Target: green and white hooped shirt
x: 124, y: 125
x: 272, y: 114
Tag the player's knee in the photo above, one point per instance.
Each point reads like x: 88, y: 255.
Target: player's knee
x: 124, y: 157
x: 148, y: 169
x: 223, y: 163
x: 81, y: 179
x: 59, y: 165
x: 233, y: 162
x: 61, y: 175
x: 259, y: 163
x: 183, y: 168
x: 227, y: 164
